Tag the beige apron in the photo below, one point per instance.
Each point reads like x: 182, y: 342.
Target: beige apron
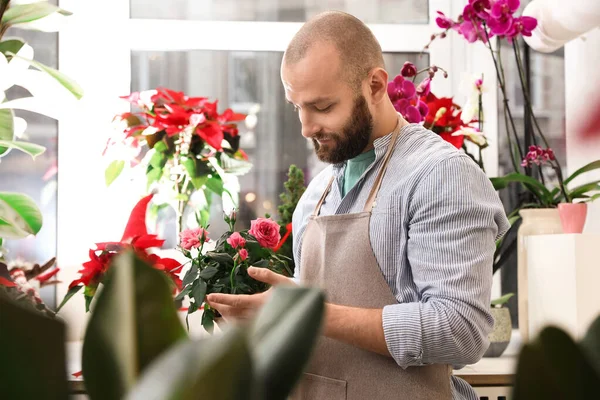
x: 337, y: 256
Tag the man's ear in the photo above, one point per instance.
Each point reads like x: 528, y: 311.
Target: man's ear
x: 378, y: 80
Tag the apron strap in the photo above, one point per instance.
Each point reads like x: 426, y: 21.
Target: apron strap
x: 323, y: 196
x: 388, y: 155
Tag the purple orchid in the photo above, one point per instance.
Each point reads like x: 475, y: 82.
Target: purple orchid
x: 481, y: 7
x: 444, y: 22
x: 424, y: 87
x: 504, y: 7
x: 413, y: 115
x: 538, y: 156
x: 423, y: 109
x: 522, y: 26
x: 408, y: 70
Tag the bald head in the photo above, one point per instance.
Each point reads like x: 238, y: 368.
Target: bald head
x: 356, y: 46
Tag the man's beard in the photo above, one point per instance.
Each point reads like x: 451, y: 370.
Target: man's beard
x: 353, y: 139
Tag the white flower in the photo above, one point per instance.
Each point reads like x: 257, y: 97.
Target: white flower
x: 472, y: 86
x: 474, y: 135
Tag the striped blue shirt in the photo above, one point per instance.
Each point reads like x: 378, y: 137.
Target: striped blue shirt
x: 433, y: 231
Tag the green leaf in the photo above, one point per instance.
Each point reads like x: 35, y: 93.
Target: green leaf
x: 591, y: 344
x: 160, y: 146
x: 502, y: 300
x: 7, y: 129
x: 123, y: 335
x: 215, y: 185
x: 64, y: 80
x: 533, y: 185
x: 158, y: 160
x: 21, y: 13
x: 199, y: 291
x: 586, y: 168
x: 32, y: 149
x: 214, y: 368
x: 234, y: 166
x: 19, y: 216
x: 208, y: 323
x: 208, y: 273
x: 113, y: 171
x: 283, y: 337
x: 11, y: 46
x: 190, y: 276
x: 153, y: 175
x: 593, y: 198
x: 584, y: 189
x: 69, y: 294
x: 221, y: 258
x: 191, y: 166
x: 31, y: 339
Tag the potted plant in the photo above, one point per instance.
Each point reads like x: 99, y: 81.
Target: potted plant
x: 500, y: 337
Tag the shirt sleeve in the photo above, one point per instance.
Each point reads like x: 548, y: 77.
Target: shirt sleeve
x: 455, y: 217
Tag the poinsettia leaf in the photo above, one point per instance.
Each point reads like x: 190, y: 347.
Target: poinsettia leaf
x: 136, y: 225
x: 64, y: 80
x: 234, y: 166
x: 19, y: 216
x: 113, y: 171
x: 11, y: 46
x: 153, y: 175
x: 70, y: 293
x: 158, y: 160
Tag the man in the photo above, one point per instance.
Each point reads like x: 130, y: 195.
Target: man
x: 399, y: 231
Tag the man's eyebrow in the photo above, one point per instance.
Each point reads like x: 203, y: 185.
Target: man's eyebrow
x: 313, y: 102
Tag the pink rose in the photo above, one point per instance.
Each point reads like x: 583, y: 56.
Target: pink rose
x: 243, y: 254
x: 236, y: 240
x: 193, y: 238
x: 266, y: 231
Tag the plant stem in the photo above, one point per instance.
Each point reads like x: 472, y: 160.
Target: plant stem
x: 3, y: 7
x: 507, y: 113
x: 520, y: 68
x: 231, y: 275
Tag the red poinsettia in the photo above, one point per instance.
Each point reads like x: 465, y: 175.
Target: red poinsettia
x: 444, y: 118
x: 135, y: 237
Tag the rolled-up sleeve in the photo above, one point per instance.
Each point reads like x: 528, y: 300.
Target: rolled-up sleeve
x: 455, y: 219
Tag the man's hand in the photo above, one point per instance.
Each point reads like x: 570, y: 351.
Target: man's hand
x: 245, y: 306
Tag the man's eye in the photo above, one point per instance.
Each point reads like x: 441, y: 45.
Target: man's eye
x: 325, y: 109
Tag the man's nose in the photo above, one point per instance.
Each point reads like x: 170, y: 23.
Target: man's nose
x: 309, y: 128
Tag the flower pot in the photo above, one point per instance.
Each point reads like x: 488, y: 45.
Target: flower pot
x: 536, y: 221
x: 500, y: 337
x: 572, y: 216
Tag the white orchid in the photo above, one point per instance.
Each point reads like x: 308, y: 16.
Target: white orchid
x: 473, y: 134
x: 472, y: 86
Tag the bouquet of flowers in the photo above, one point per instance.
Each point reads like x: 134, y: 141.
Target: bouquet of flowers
x: 191, y: 146
x: 418, y: 104
x: 135, y: 237
x: 225, y: 268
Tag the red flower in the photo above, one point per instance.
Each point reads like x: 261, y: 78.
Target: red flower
x: 456, y: 141
x: 212, y: 134
x: 168, y: 265
x: 266, y: 232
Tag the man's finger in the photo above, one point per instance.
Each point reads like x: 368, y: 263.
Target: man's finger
x: 231, y: 313
x: 268, y: 276
x: 233, y: 300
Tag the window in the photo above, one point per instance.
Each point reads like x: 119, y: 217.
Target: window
x: 246, y: 81
x: 36, y: 178
x: 377, y: 12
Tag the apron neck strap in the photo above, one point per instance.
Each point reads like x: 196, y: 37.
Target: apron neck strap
x: 388, y: 155
x: 323, y: 196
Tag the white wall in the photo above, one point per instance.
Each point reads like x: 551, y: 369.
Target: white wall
x: 582, y: 86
